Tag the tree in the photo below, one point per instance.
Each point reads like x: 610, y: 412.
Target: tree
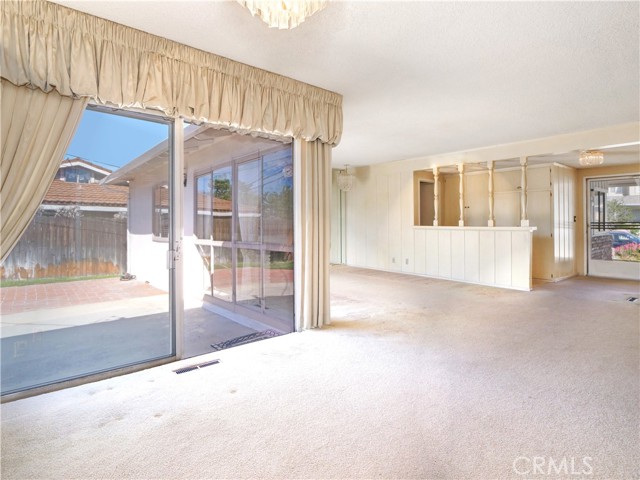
x: 222, y: 188
x: 618, y: 212
x: 70, y: 212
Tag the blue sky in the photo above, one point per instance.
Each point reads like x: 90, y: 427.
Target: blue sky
x: 113, y: 140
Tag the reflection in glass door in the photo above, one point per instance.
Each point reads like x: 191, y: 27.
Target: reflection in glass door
x: 614, y: 227
x: 249, y: 235
x: 244, y: 228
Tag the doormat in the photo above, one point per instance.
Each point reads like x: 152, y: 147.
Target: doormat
x: 244, y: 339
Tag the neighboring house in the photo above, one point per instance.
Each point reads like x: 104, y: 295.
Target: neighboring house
x: 76, y: 185
x: 79, y: 229
x: 91, y: 199
x: 79, y: 170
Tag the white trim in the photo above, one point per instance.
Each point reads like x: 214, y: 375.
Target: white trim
x: 608, y: 269
x: 78, y: 162
x: 123, y: 173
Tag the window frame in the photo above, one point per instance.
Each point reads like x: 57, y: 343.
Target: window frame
x: 155, y: 219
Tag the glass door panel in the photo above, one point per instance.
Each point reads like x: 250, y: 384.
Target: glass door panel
x: 86, y: 289
x: 222, y: 277
x: 250, y: 266
x: 278, y: 285
x: 249, y: 279
x: 249, y: 202
x: 204, y: 207
x: 222, y: 189
x: 614, y: 227
x: 277, y: 200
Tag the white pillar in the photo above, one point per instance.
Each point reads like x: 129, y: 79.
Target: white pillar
x: 461, y: 190
x: 436, y: 193
x: 524, y: 220
x: 492, y: 219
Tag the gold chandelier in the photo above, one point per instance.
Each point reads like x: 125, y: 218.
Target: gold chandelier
x: 591, y: 157
x: 283, y: 14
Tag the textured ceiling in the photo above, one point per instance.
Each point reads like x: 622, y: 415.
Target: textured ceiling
x: 425, y: 78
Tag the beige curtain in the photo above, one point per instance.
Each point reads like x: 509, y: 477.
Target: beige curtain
x: 52, y: 47
x: 312, y: 193
x: 36, y: 130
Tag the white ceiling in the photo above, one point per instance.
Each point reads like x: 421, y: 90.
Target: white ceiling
x: 425, y: 78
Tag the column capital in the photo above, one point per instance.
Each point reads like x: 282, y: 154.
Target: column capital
x: 523, y: 161
x: 436, y: 171
x: 490, y: 164
x: 461, y: 167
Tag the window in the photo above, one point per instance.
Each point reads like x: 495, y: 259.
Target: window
x: 214, y: 198
x: 77, y: 175
x: 161, y: 211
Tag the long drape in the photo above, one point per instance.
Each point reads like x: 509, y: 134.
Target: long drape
x: 312, y: 187
x: 52, y: 47
x: 37, y: 128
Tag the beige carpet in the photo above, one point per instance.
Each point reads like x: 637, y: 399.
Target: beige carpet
x: 416, y: 378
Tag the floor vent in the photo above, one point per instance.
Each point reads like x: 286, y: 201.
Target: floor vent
x: 198, y: 366
x: 632, y: 299
x: 252, y: 337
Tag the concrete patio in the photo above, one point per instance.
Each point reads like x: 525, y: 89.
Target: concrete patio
x: 61, y: 330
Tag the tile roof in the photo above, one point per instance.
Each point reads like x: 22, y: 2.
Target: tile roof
x: 219, y: 204
x: 68, y: 193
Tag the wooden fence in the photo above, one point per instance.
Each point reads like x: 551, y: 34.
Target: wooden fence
x: 68, y: 247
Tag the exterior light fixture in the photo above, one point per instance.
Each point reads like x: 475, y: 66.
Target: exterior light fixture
x: 283, y: 14
x: 591, y: 157
x: 345, y: 179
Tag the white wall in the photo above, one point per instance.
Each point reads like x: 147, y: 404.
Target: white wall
x: 147, y: 258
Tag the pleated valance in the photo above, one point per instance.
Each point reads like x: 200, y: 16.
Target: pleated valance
x: 50, y: 47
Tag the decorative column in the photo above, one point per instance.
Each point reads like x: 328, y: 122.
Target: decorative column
x: 492, y: 219
x: 524, y: 220
x: 436, y: 193
x: 461, y: 175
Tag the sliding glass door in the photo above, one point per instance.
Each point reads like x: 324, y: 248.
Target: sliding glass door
x: 87, y: 288
x: 244, y: 230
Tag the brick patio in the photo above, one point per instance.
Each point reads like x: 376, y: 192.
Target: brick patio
x: 66, y: 294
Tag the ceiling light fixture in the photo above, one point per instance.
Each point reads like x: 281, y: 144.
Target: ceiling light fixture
x: 591, y: 157
x: 345, y: 179
x: 283, y: 14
